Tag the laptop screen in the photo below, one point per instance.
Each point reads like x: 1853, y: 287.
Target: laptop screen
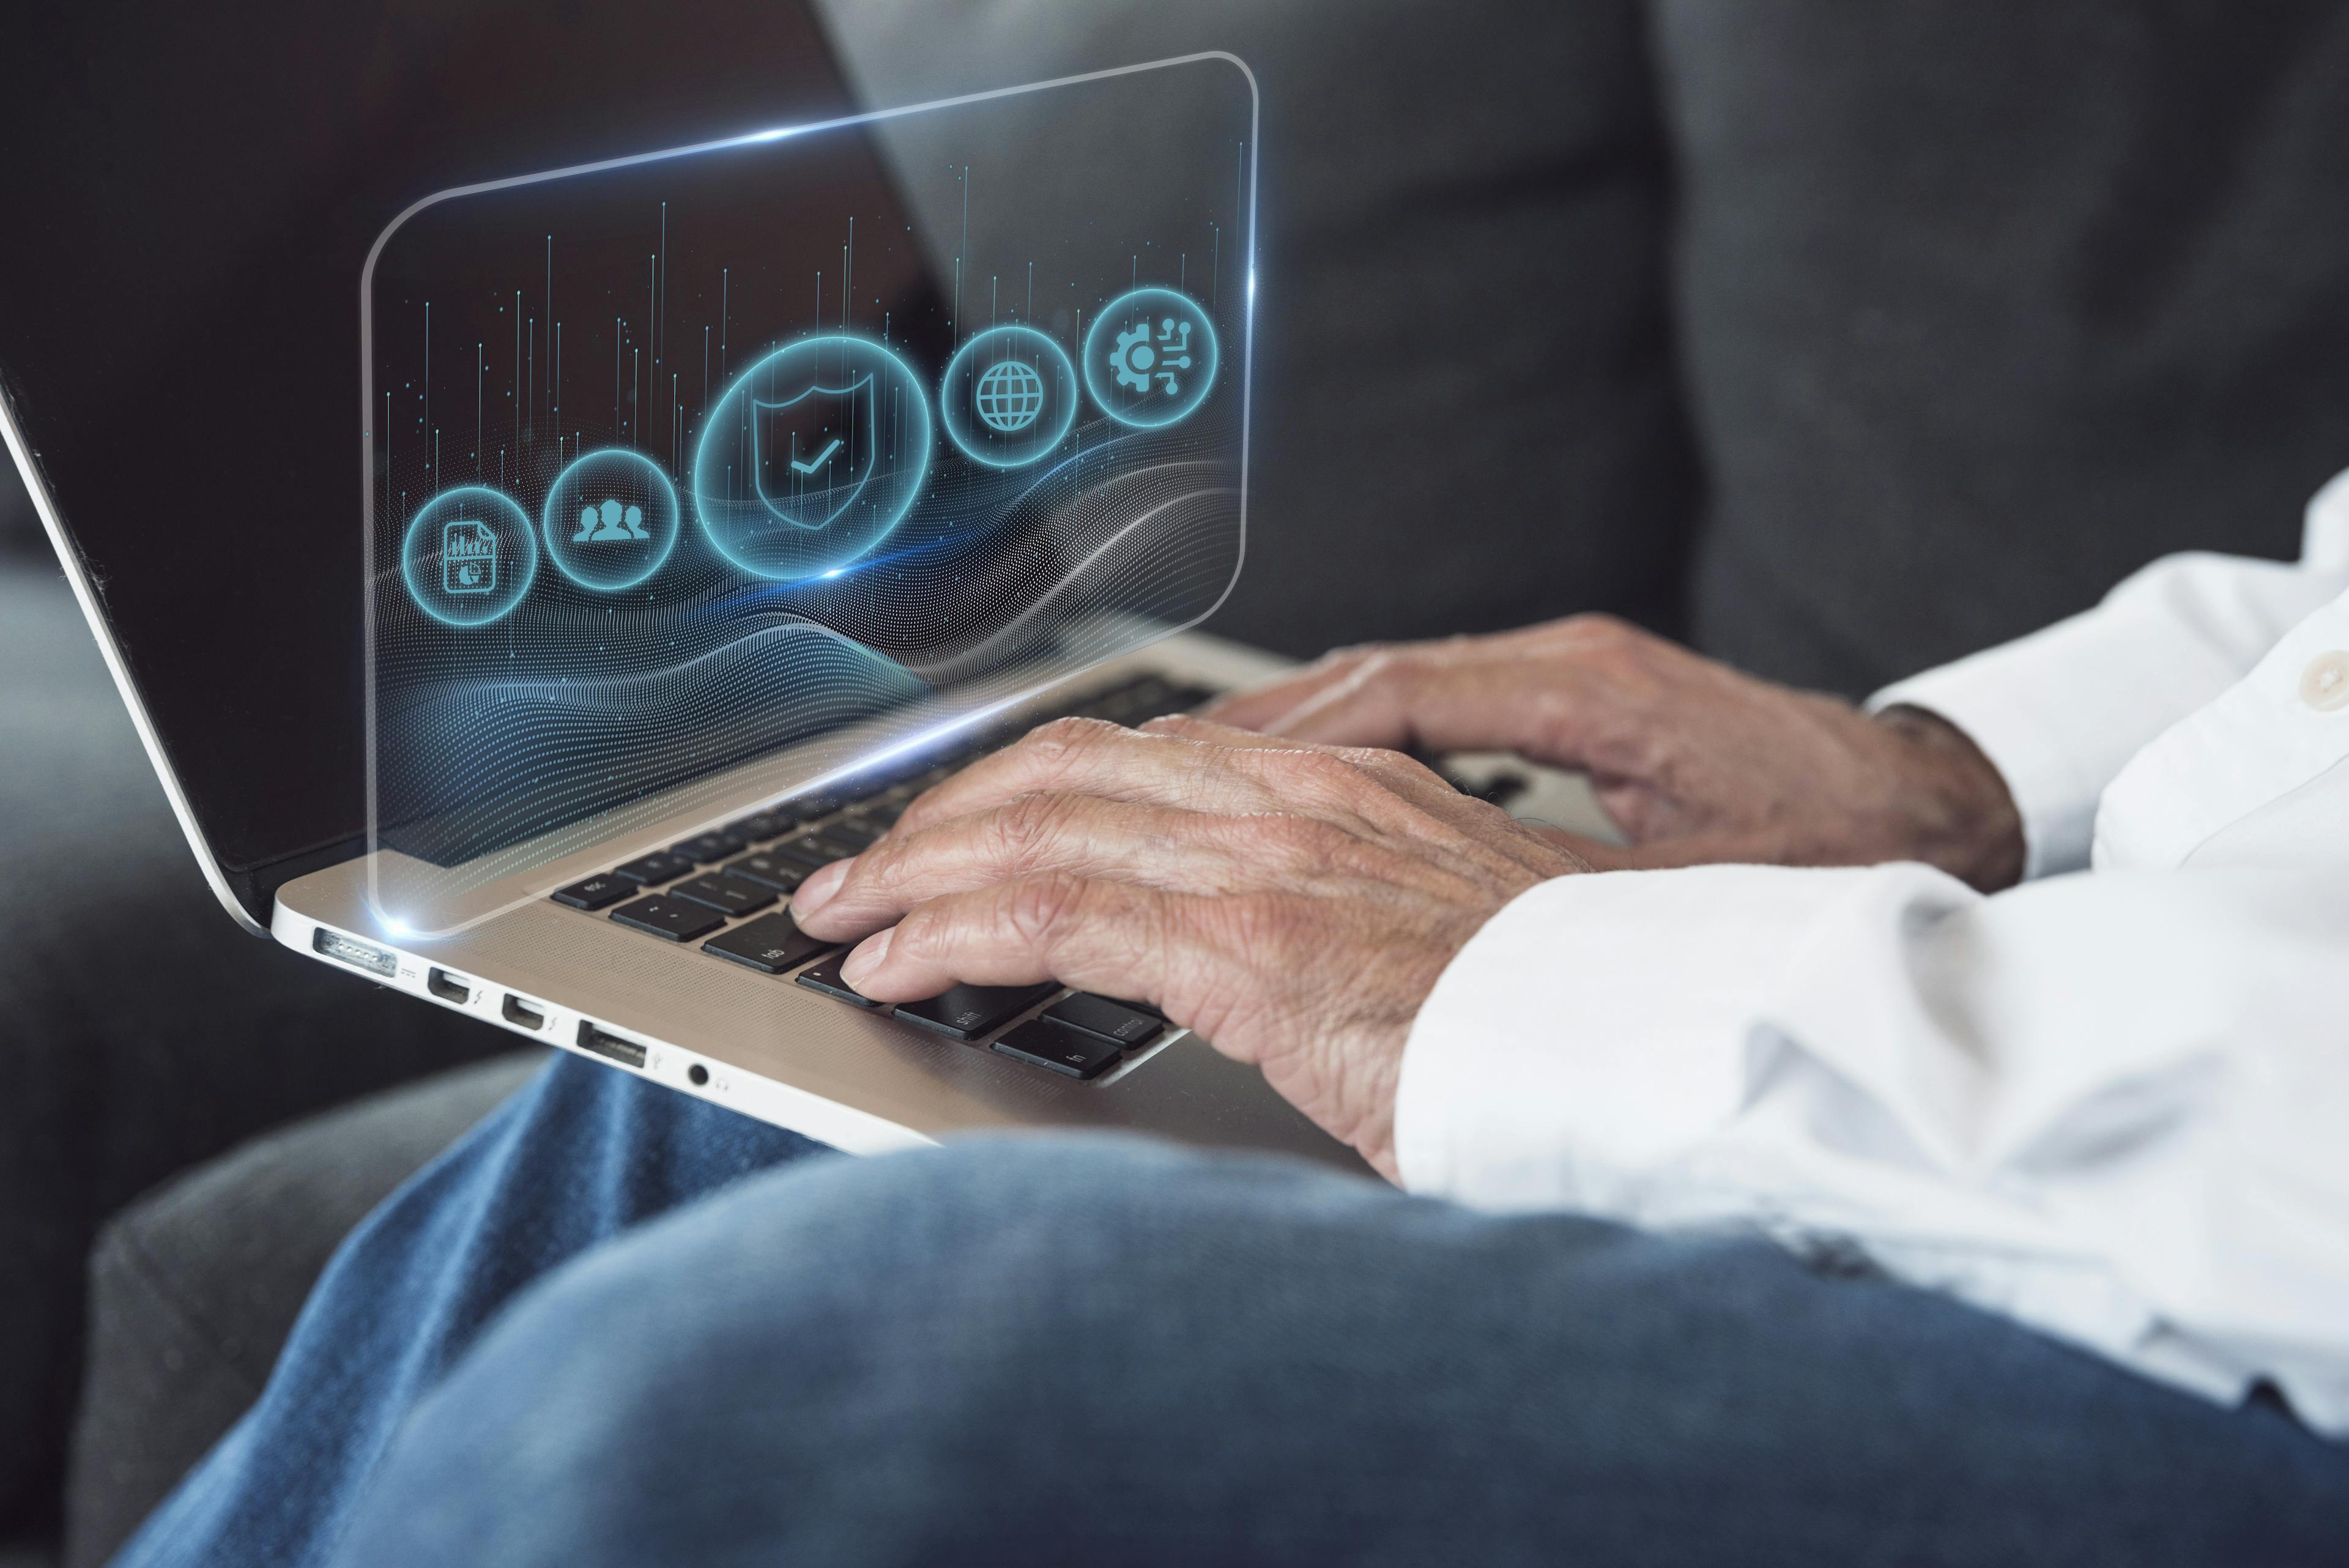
x: 713, y: 475
x: 191, y: 194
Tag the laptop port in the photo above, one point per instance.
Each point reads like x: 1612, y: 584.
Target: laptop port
x: 359, y: 955
x: 610, y: 1046
x: 448, y: 986
x: 517, y: 1011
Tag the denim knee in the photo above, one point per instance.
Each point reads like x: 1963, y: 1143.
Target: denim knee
x: 865, y: 1332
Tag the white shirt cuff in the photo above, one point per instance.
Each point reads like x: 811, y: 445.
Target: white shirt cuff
x: 1595, y: 1028
x: 2060, y: 712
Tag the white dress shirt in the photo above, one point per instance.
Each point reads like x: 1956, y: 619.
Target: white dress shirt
x: 2112, y: 1104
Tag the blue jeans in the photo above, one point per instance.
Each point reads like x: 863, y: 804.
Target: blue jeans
x: 614, y: 1327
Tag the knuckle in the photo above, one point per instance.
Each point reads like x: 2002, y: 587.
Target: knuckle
x: 881, y: 868
x: 927, y: 931
x: 1041, y: 910
x: 1027, y: 826
x: 1323, y: 774
x: 1597, y: 626
x: 1296, y: 837
x: 1073, y: 732
x: 1379, y: 762
x: 1598, y: 634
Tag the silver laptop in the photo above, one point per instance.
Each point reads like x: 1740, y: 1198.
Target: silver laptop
x: 549, y: 736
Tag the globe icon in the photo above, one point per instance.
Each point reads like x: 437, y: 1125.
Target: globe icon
x: 1010, y: 397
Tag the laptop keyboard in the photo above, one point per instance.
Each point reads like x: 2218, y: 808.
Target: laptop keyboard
x: 718, y: 890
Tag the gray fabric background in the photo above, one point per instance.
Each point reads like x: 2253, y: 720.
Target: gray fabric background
x: 193, y: 1289
x: 1984, y: 306
x: 1464, y: 415
x: 140, y: 1031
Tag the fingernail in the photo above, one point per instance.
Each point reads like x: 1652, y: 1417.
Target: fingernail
x: 867, y: 956
x: 817, y: 890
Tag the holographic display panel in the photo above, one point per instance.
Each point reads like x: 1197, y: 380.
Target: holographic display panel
x: 702, y: 478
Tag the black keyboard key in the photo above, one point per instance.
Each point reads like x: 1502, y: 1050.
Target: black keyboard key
x: 768, y: 870
x: 672, y: 917
x: 879, y: 814
x: 727, y: 895
x: 1122, y: 1026
x: 825, y: 978
x: 851, y: 830
x: 761, y: 827
x: 1148, y: 697
x: 709, y: 848
x: 606, y: 887
x: 1062, y: 1050
x: 659, y: 866
x: 770, y: 944
x: 968, y: 1011
x: 808, y: 851
x: 841, y: 844
x: 1185, y: 697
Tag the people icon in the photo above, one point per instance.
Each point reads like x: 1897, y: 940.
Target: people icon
x: 610, y: 524
x: 610, y: 519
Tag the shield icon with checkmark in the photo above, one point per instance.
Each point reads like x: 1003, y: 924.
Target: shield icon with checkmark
x: 811, y: 453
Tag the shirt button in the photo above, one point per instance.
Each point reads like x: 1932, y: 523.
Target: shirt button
x: 2324, y: 684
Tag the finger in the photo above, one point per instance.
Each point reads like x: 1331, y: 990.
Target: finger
x: 1088, y: 756
x: 1259, y: 706
x: 1411, y: 780
x: 1466, y: 697
x: 1032, y: 835
x: 1109, y: 936
x: 1252, y: 777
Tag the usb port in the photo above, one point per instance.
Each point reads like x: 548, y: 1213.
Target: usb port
x: 517, y: 1011
x: 604, y: 1043
x: 359, y: 955
x: 448, y: 986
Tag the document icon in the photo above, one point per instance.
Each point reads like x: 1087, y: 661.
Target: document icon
x: 469, y: 558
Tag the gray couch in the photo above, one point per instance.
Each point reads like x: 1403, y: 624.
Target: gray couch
x: 1840, y: 339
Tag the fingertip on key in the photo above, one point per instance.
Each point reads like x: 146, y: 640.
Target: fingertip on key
x: 868, y: 956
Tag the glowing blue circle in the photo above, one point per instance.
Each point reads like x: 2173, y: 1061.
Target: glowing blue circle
x: 812, y: 457
x: 1151, y: 358
x: 1009, y: 397
x: 610, y: 520
x: 468, y: 556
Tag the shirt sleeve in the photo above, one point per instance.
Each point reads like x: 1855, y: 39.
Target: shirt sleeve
x: 2107, y: 1105
x: 2061, y: 711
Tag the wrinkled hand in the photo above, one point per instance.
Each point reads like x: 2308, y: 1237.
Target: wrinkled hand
x: 1293, y: 904
x: 1695, y: 760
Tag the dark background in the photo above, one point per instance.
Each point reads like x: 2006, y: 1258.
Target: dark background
x: 1840, y: 337
x: 182, y: 342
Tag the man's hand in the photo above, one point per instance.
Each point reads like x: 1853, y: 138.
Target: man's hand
x: 1292, y: 903
x: 1695, y: 760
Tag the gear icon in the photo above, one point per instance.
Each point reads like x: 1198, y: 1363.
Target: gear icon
x: 1132, y: 357
x: 1160, y: 347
